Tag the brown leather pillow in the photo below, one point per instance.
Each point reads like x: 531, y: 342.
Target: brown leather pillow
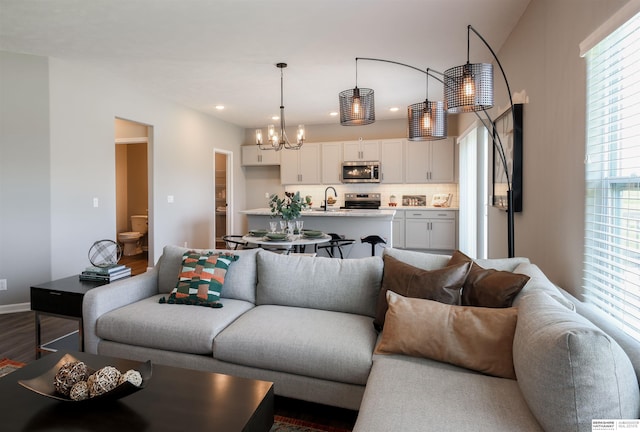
x: 442, y: 285
x: 471, y: 337
x: 488, y: 287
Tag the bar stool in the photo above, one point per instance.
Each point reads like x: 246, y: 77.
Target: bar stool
x: 337, y: 242
x: 373, y: 240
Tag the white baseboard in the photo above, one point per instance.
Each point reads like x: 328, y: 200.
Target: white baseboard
x: 12, y: 308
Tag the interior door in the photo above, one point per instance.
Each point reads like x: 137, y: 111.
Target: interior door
x: 221, y: 199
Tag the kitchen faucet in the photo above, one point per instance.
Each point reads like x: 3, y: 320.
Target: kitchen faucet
x: 325, y: 195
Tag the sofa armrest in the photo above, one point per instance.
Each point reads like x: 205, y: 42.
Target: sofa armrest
x: 106, y: 298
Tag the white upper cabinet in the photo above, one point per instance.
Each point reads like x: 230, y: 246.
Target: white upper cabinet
x: 300, y: 166
x: 252, y: 156
x: 331, y: 162
x: 361, y: 151
x: 430, y: 161
x: 392, y: 161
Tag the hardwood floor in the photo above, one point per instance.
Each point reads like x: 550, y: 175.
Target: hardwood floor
x: 17, y: 342
x: 138, y: 263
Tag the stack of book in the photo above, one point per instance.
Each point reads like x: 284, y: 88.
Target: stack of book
x: 106, y: 274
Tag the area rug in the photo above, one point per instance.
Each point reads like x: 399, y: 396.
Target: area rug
x: 287, y: 424
x: 7, y: 366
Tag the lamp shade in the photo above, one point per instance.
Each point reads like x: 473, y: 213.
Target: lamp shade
x: 469, y: 87
x: 357, y: 107
x: 427, y: 121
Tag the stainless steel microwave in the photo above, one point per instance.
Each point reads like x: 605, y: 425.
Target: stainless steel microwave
x: 360, y: 172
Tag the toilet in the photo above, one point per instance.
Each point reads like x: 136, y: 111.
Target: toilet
x: 132, y: 239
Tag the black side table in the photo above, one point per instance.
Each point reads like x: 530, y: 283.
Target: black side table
x: 61, y: 298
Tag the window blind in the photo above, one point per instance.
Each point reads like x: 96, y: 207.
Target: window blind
x: 612, y: 212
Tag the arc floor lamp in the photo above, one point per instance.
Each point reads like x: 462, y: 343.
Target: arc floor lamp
x: 467, y: 88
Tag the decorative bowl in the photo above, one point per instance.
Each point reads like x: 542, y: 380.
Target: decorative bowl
x: 258, y: 233
x: 43, y: 384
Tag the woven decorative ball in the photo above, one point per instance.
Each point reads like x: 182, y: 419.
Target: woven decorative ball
x: 68, y: 375
x: 79, y: 391
x: 103, y: 381
x: 133, y: 376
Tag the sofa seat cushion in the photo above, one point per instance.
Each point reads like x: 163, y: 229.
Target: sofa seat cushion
x: 570, y: 371
x: 316, y: 343
x: 182, y: 328
x: 415, y: 395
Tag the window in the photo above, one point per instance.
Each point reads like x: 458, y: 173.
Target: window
x: 612, y: 228
x: 473, y: 163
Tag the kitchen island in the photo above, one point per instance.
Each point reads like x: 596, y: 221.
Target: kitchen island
x: 353, y: 224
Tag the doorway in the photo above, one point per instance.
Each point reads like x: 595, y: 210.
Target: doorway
x: 132, y: 190
x: 223, y: 187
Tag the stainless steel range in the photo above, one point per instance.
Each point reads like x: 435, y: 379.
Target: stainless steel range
x: 361, y: 201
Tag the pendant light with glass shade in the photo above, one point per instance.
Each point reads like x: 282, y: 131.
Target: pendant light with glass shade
x: 274, y: 140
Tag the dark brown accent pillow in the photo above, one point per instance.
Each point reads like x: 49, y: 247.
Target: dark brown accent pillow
x: 442, y: 285
x: 488, y: 287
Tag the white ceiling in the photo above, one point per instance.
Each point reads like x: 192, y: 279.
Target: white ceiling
x: 202, y: 53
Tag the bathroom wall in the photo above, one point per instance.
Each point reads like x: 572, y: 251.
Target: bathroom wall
x: 131, y: 184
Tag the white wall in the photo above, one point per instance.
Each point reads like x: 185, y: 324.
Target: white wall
x: 25, y: 231
x: 541, y: 56
x: 83, y: 103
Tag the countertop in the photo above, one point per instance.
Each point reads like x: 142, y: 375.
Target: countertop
x: 417, y: 208
x: 331, y: 212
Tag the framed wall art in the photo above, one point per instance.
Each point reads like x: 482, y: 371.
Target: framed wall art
x: 510, y: 134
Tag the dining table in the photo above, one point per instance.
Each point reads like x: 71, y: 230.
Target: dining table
x: 295, y: 242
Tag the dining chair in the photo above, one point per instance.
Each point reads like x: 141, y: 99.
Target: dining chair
x: 338, y: 241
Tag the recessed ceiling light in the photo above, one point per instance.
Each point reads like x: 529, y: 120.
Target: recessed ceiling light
x: 333, y: 114
x: 394, y: 109
x: 219, y: 107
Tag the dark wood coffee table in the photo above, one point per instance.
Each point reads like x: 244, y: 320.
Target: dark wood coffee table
x: 174, y: 400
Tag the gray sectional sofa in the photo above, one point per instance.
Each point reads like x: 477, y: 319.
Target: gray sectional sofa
x: 306, y: 323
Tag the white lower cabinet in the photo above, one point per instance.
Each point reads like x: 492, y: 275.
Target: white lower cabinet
x: 430, y: 229
x: 398, y: 229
